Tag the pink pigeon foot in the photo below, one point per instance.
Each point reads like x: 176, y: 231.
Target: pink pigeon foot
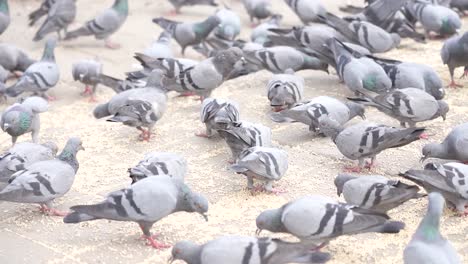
x: 155, y: 244
x: 424, y: 136
x: 112, y: 45
x: 52, y: 211
x: 51, y: 98
x: 186, y: 94
x: 454, y: 85
x: 355, y: 169
x: 87, y: 91
x: 202, y: 134
x: 465, y: 73
x: 172, y: 13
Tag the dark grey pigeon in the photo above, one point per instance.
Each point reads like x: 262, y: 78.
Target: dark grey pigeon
x: 308, y: 11
x: 87, y: 72
x: 4, y: 15
x: 159, y: 163
x: 14, y: 59
x: 285, y: 90
x: 161, y: 47
x: 61, y: 14
x: 43, y: 10
x: 178, y: 4
x: 454, y: 146
x: 218, y: 114
x: 454, y: 54
x: 145, y: 202
x: 257, y: 9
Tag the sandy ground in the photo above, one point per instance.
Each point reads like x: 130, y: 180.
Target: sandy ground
x: 28, y: 236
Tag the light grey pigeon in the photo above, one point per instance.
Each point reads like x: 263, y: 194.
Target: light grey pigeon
x: 104, y: 24
x: 88, y: 73
x: 230, y: 24
x: 409, y: 105
x: 240, y: 249
x: 145, y: 202
x: 308, y: 11
x: 243, y: 135
x: 375, y: 192
x: 285, y: 90
x: 263, y: 164
x: 23, y: 117
x: 178, y: 4
x: 44, y: 181
x: 427, y: 244
x: 4, y: 16
x: 22, y: 155
x: 435, y: 18
x: 310, y: 112
x: 61, y: 14
x: 218, y: 114
x: 157, y: 164
x: 188, y: 33
x: 319, y: 219
x: 449, y: 179
x: 454, y: 54
x: 43, y: 10
x: 260, y: 34
x: 14, y: 59
x: 138, y: 108
x: 257, y: 9
x: 160, y: 48
x: 366, y: 140
x: 281, y: 58
x: 454, y: 146
x: 40, y: 76
x: 358, y: 73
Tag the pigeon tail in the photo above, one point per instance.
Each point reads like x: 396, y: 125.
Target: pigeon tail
x: 75, y: 217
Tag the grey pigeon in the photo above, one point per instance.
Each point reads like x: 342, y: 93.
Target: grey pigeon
x: 218, y: 114
x: 104, y: 24
x: 307, y: 10
x: 61, y: 14
x: 238, y: 250
x: 157, y: 164
x: 454, y: 54
x: 460, y: 5
x: 374, y: 192
x: 243, y: 135
x: 88, y: 73
x: 178, y: 4
x: 367, y: 140
x: 22, y: 155
x: 307, y: 218
x: 22, y: 118
x: 281, y: 58
x: 40, y: 76
x: 449, y: 179
x: 14, y: 59
x: 409, y: 105
x: 44, y: 181
x: 230, y: 24
x: 285, y: 90
x: 310, y: 112
x: 257, y: 9
x: 138, y: 108
x: 145, y: 202
x: 263, y: 164
x: 427, y: 244
x: 160, y: 48
x: 188, y: 33
x: 43, y: 10
x: 117, y: 85
x: 4, y: 16
x: 260, y: 34
x: 454, y: 146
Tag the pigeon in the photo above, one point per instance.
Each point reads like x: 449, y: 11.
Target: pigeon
x: 60, y: 15
x: 22, y: 118
x: 229, y: 27
x: 409, y: 105
x: 454, y: 146
x: 43, y: 10
x: 263, y: 164
x: 218, y: 114
x: 281, y: 58
x: 118, y: 85
x: 160, y: 48
x: 138, y: 108
x: 310, y: 112
x: 260, y: 34
x: 460, y: 5
x: 44, y: 181
x: 178, y: 4
x: 245, y: 249
x: 285, y: 90
x: 22, y: 155
x: 187, y: 33
x: 366, y: 140
x: 157, y: 164
x: 454, y: 54
x: 435, y: 18
x: 87, y: 72
x: 14, y: 59
x: 257, y: 9
x: 242, y: 135
x: 4, y: 16
x: 375, y: 192
x: 40, y: 76
x: 427, y: 244
x: 308, y: 11
x: 145, y: 202
x: 318, y: 219
x: 358, y: 73
x: 104, y: 24
x: 448, y: 179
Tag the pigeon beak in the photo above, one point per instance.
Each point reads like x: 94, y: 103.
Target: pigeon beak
x: 423, y: 159
x: 363, y: 116
x: 338, y: 192
x: 170, y: 260
x: 81, y: 148
x: 6, y: 126
x: 444, y: 117
x: 258, y: 231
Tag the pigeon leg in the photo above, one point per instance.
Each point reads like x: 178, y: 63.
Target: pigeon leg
x: 424, y: 136
x: 17, y: 74
x: 453, y: 84
x: 13, y: 140
x: 206, y: 134
x: 145, y: 227
x: 87, y: 91
x: 269, y: 188
x: 186, y: 94
x: 111, y: 45
x: 92, y: 98
x: 51, y: 211
x: 465, y: 73
x: 49, y: 98
x: 371, y: 164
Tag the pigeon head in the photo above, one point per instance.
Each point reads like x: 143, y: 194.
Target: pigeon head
x: 16, y: 122
x: 443, y: 109
x: 449, y: 26
x: 101, y: 111
x: 48, y: 54
x: 198, y: 203
x: 204, y: 28
x: 224, y: 61
x: 263, y: 10
x: 121, y: 6
x: 282, y: 96
x: 330, y: 127
x: 186, y: 251
x: 341, y: 180
x: 269, y: 220
x: 52, y: 146
x: 433, y: 150
x: 356, y: 110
